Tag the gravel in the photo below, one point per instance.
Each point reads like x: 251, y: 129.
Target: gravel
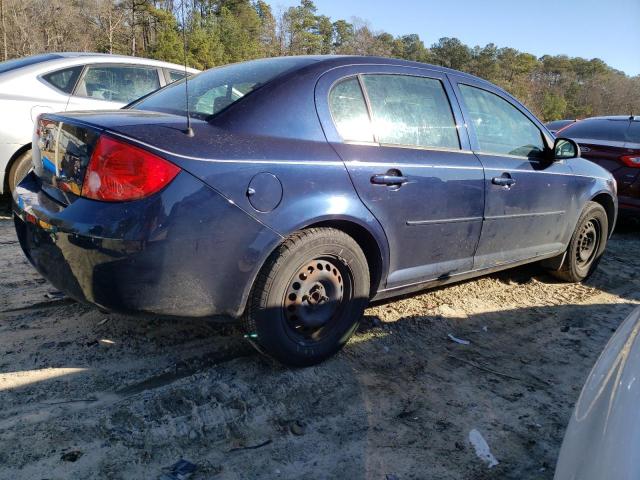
x: 124, y: 398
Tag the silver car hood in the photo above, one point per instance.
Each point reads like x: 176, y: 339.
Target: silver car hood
x: 603, y: 437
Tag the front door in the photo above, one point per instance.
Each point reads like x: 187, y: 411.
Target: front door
x: 527, y: 193
x: 408, y: 156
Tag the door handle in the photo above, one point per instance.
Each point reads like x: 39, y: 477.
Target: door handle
x: 504, y: 180
x: 391, y: 180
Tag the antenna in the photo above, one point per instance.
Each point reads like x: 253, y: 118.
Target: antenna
x: 188, y: 130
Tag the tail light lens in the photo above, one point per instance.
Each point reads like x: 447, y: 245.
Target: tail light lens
x: 631, y: 160
x: 119, y: 171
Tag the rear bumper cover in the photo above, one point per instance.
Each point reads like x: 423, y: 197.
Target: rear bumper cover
x: 186, y: 251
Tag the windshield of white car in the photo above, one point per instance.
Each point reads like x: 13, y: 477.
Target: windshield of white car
x: 214, y: 90
x: 16, y: 63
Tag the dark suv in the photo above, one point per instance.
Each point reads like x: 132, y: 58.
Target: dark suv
x: 614, y: 143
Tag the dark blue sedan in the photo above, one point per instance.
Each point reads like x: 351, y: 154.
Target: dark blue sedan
x: 305, y: 187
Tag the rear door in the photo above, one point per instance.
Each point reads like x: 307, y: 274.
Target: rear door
x: 527, y: 195
x: 404, y: 145
x: 105, y: 87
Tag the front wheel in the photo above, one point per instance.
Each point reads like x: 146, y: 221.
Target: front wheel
x: 309, y: 297
x: 586, y: 246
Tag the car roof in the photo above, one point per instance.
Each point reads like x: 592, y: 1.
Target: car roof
x: 343, y: 60
x: 109, y: 58
x: 46, y: 62
x: 618, y: 118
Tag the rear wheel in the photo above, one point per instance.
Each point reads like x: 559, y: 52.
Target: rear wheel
x: 19, y: 169
x: 309, y: 297
x: 586, y: 246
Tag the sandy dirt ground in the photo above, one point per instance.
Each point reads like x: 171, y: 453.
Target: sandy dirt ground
x: 89, y: 395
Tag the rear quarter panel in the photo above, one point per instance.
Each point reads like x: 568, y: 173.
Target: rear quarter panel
x: 314, y: 184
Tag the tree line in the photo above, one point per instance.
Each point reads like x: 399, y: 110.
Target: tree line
x: 218, y: 32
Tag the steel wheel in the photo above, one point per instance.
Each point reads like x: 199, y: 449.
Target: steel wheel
x: 309, y: 297
x: 315, y: 297
x: 586, y: 246
x: 588, y: 243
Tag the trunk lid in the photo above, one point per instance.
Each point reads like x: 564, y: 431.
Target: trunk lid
x: 607, y: 155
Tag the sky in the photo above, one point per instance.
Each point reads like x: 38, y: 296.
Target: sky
x: 606, y: 29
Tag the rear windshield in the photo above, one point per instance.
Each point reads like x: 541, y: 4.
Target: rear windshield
x: 26, y: 61
x: 611, y: 130
x: 214, y: 90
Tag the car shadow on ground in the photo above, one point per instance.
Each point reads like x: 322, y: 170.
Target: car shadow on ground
x: 399, y: 400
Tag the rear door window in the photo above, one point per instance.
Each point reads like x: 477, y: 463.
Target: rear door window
x: 411, y: 111
x: 64, y: 80
x: 118, y: 83
x: 500, y: 127
x: 349, y: 111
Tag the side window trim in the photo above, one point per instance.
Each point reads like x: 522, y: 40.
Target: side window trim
x: 85, y: 69
x: 366, y: 101
x: 166, y: 76
x: 82, y: 70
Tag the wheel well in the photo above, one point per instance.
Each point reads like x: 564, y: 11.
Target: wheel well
x: 20, y: 151
x: 368, y: 244
x: 607, y: 203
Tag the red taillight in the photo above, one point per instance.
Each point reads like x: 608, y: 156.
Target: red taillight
x: 631, y: 160
x: 119, y: 171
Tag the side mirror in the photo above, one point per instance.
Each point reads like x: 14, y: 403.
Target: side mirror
x: 565, y: 148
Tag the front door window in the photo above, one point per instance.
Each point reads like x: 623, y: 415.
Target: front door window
x: 500, y: 127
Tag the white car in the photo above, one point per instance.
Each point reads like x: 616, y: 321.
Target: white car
x: 603, y: 437
x: 56, y: 82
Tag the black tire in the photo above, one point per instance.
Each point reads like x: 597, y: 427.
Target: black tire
x: 309, y: 297
x: 586, y: 246
x: 19, y: 169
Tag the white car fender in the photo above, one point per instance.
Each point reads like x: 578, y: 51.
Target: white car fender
x: 603, y: 437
